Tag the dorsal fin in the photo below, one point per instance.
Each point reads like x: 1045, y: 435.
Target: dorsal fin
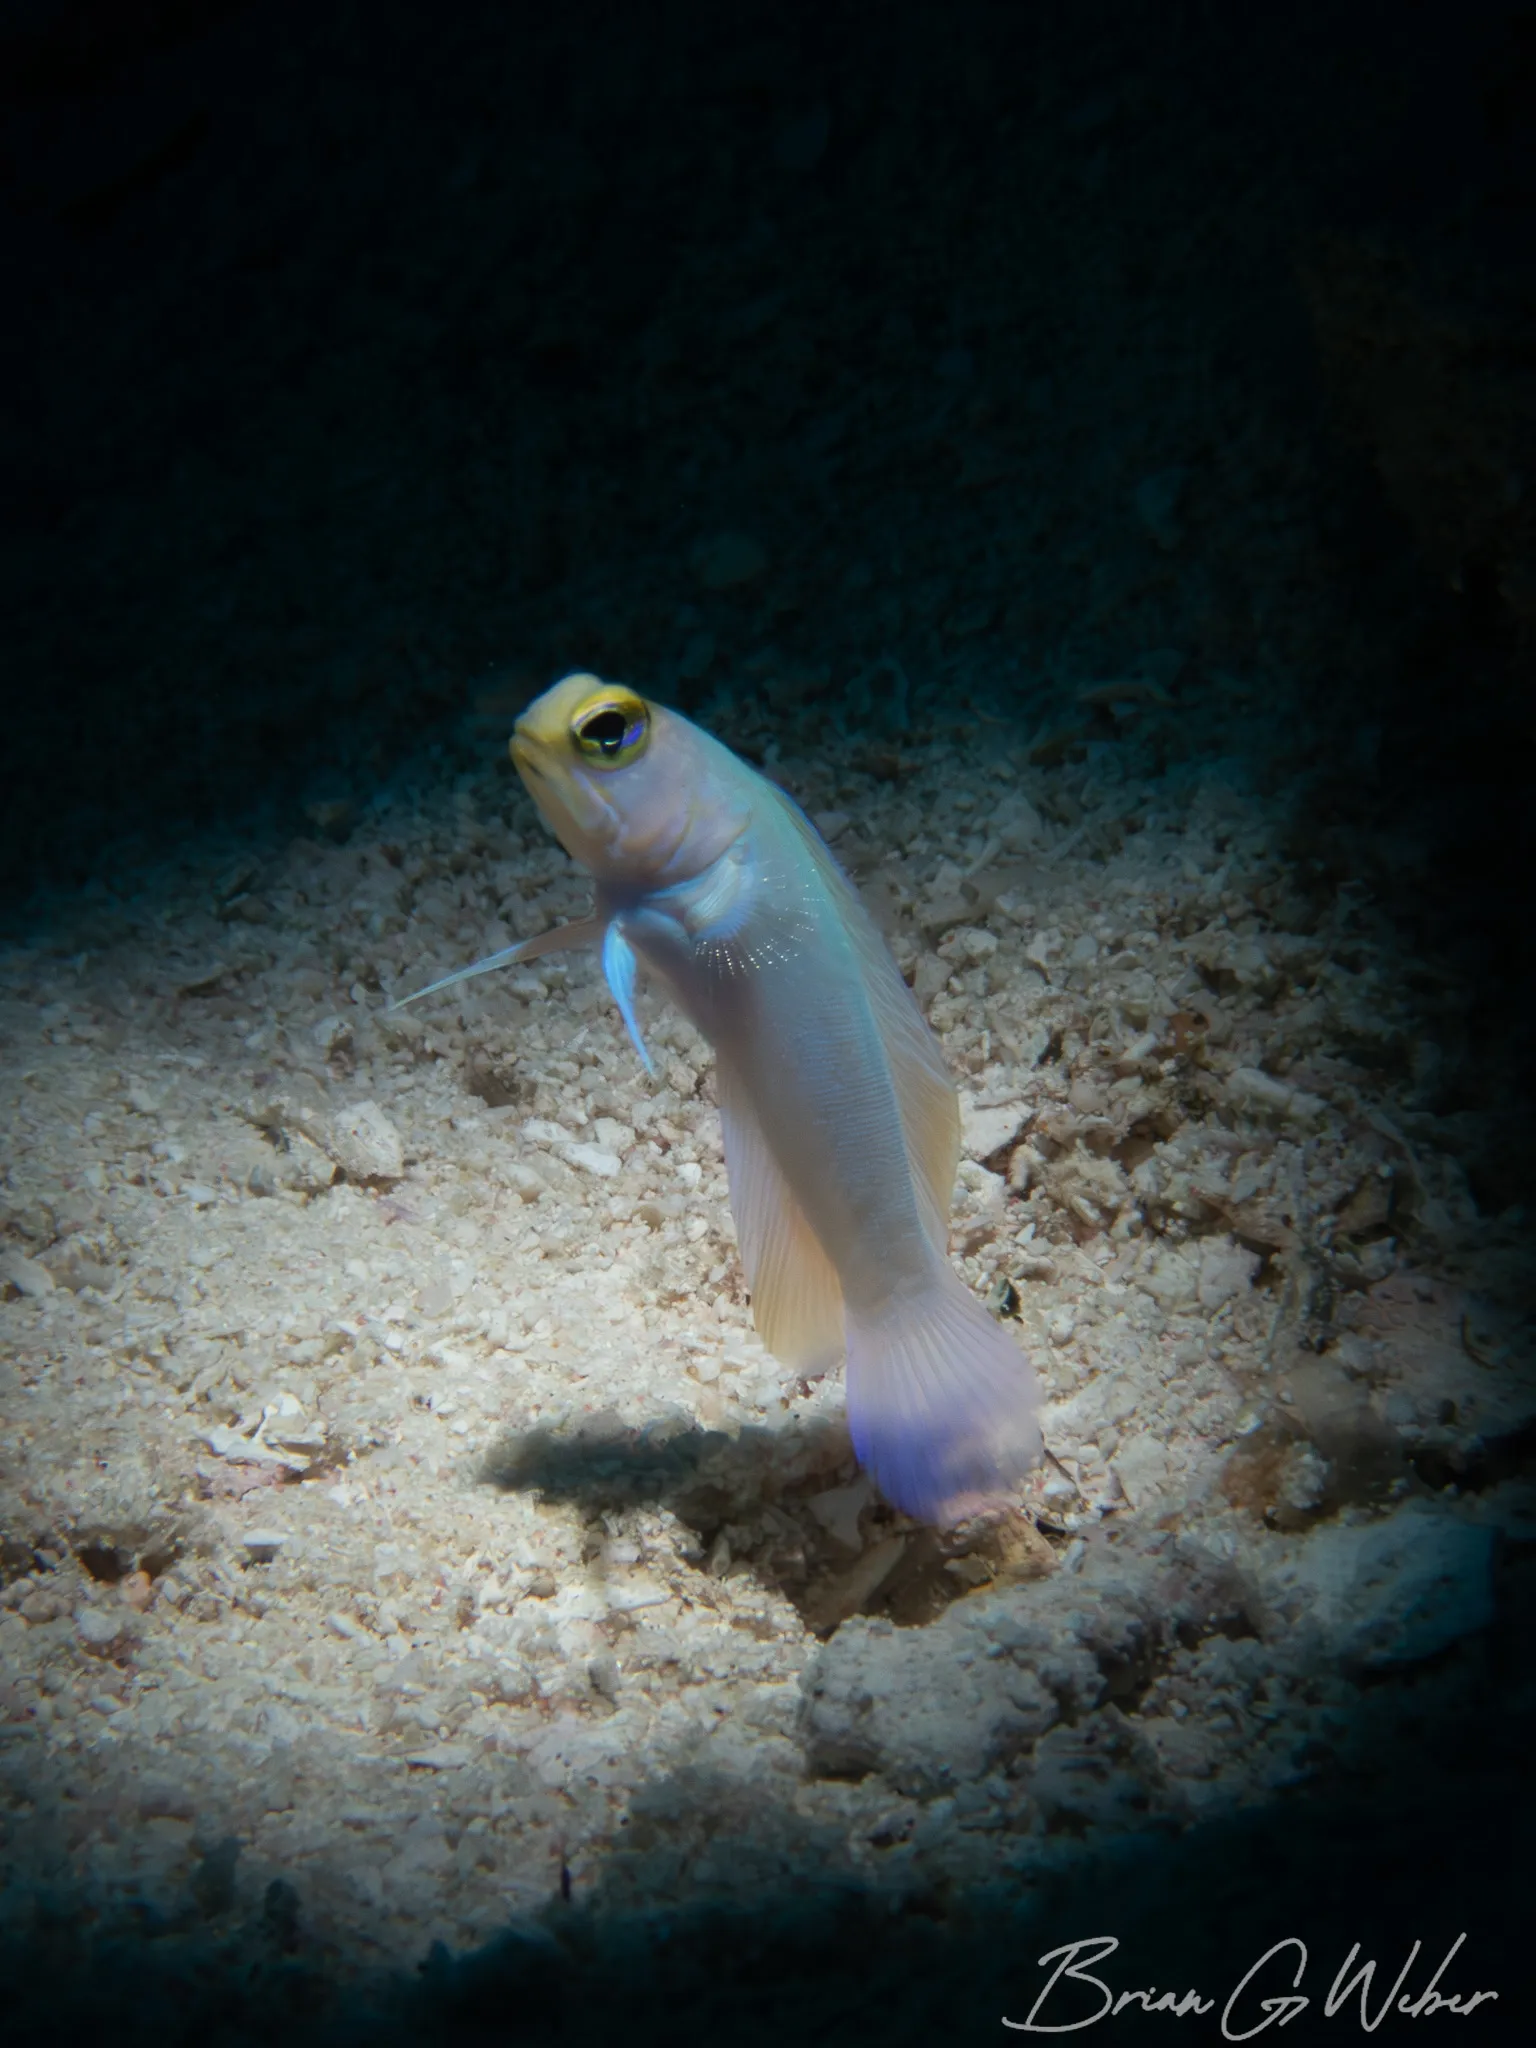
x: 925, y: 1093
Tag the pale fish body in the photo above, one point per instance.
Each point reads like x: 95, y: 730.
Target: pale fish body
x: 841, y: 1122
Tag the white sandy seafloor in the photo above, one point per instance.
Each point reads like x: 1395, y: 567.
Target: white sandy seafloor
x: 402, y: 1521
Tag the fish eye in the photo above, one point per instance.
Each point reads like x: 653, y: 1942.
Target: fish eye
x: 612, y: 730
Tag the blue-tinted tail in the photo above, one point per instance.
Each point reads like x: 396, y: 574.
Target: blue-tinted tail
x: 941, y: 1403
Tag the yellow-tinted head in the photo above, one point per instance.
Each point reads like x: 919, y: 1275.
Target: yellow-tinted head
x: 632, y: 791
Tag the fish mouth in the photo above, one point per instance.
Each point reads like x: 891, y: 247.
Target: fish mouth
x: 568, y: 803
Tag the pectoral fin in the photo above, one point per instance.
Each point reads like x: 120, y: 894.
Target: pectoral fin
x: 585, y: 931
x: 797, y: 1303
x: 619, y: 968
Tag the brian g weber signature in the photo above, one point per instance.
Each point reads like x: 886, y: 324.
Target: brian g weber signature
x: 1249, y: 2008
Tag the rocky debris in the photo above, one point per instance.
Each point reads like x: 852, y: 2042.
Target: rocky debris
x: 100, y: 1630
x: 26, y: 1275
x: 280, y: 1435
x: 358, y: 1137
x: 974, y: 1692
x: 1392, y: 1592
x: 365, y: 1144
x: 269, y: 1422
x: 987, y: 1129
x: 1143, y: 1466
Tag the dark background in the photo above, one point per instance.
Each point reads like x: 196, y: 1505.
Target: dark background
x: 363, y: 367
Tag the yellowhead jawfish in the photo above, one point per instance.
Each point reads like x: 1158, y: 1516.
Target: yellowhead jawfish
x: 842, y: 1129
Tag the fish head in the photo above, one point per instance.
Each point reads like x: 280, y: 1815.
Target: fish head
x: 637, y: 794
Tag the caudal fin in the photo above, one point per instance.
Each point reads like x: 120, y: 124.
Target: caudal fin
x: 941, y: 1403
